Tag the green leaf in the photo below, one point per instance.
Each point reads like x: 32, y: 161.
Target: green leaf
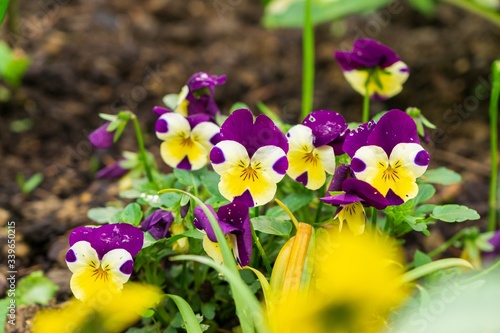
x: 170, y: 199
x: 132, y: 214
x: 190, y: 321
x: 426, y: 7
x: 35, y: 289
x: 186, y: 177
x: 210, y: 181
x: 425, y: 192
x: 102, y: 215
x: 13, y: 64
x: 294, y: 202
x: 454, y: 213
x: 290, y: 13
x: 238, y: 105
x: 272, y: 226
x: 208, y: 310
x: 441, y: 175
x: 421, y: 258
x: 425, y: 209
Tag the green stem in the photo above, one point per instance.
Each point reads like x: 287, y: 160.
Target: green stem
x: 443, y: 247
x: 366, y: 102
x: 142, y: 149
x: 484, y: 272
x: 14, y: 22
x: 374, y: 218
x: 3, y: 9
x: 495, y: 92
x: 308, y: 61
x: 265, y: 259
x: 477, y: 9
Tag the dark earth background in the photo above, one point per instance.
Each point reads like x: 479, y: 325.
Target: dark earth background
x: 101, y: 56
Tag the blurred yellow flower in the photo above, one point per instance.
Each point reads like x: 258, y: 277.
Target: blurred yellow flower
x: 356, y: 282
x: 107, y: 311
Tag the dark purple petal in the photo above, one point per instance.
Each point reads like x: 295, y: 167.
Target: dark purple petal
x: 326, y: 126
x: 161, y: 126
x: 341, y: 173
x: 217, y: 155
x: 195, y: 119
x: 184, y: 209
x: 101, y: 138
x: 127, y: 267
x: 366, y: 53
x: 422, y: 158
x: 159, y: 110
x: 393, y: 198
x: 201, y: 222
x: 216, y: 139
x: 184, y: 164
x: 357, y: 165
x: 70, y: 256
x: 239, y: 127
x: 358, y: 138
x: 236, y: 214
x: 158, y: 223
x: 341, y: 199
x: 112, y: 171
x: 281, y: 165
x: 205, y: 80
x: 303, y: 178
x: 339, y: 142
x: 393, y: 127
x: 109, y: 237
x: 246, y: 198
x: 495, y: 242
x: 366, y: 192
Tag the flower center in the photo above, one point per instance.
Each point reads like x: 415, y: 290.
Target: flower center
x: 99, y: 272
x: 310, y: 158
x: 391, y: 173
x: 186, y: 141
x: 249, y: 172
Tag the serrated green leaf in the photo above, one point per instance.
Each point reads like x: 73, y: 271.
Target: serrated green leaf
x: 102, y: 215
x: 272, y: 226
x: 35, y: 289
x: 454, y: 213
x: 425, y: 192
x: 208, y: 310
x: 290, y: 13
x: 441, y: 175
x: 424, y: 209
x: 421, y: 258
x: 132, y: 214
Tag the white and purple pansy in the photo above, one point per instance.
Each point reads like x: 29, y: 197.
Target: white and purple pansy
x: 388, y: 156
x: 186, y: 141
x: 374, y: 68
x: 354, y: 193
x: 250, y: 158
x: 234, y: 221
x: 197, y: 97
x: 310, y: 154
x: 101, y: 258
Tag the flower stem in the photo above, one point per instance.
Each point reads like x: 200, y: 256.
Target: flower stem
x: 495, y: 92
x: 366, y: 102
x: 142, y: 149
x: 265, y: 259
x: 308, y: 61
x: 443, y: 247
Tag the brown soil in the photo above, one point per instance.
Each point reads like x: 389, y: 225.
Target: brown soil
x: 99, y: 56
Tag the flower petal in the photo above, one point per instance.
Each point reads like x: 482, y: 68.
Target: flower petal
x: 358, y: 138
x: 228, y: 154
x: 271, y: 160
x: 326, y: 126
x: 109, y: 237
x: 81, y: 255
x: 354, y: 215
x: 237, y: 215
x: 119, y: 265
x: 172, y: 125
x: 203, y: 80
x: 204, y: 132
x: 202, y: 222
x: 413, y: 157
x: 366, y: 192
x: 341, y: 173
x: 393, y: 127
x: 101, y: 138
x: 366, y: 53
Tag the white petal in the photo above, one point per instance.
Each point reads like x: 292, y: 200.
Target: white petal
x: 177, y: 125
x: 85, y: 255
x: 371, y: 156
x: 267, y: 158
x: 204, y: 132
x: 300, y: 137
x: 114, y: 261
x: 406, y: 153
x: 228, y: 154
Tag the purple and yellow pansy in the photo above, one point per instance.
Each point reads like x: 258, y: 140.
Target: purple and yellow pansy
x: 186, y: 141
x: 234, y: 221
x: 310, y: 154
x: 101, y: 258
x: 373, y: 68
x: 250, y: 158
x: 388, y: 156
